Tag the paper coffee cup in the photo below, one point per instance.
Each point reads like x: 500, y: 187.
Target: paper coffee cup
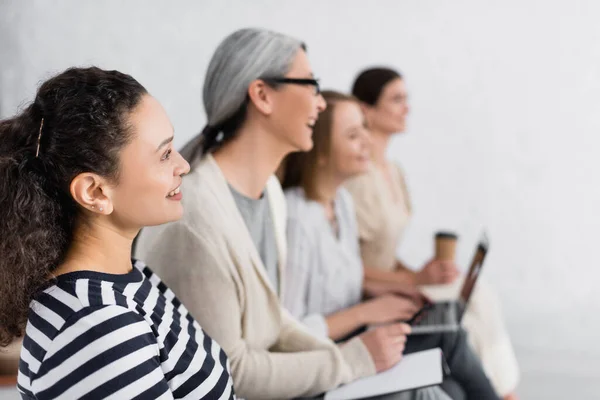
x: 445, y: 246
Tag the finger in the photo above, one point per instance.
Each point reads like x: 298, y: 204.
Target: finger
x: 413, y: 309
x: 447, y: 275
x: 447, y: 266
x: 426, y: 299
x: 407, y: 295
x: 407, y: 305
x: 454, y: 276
x: 450, y: 267
x: 397, y: 350
x: 413, y: 296
x: 450, y: 274
x: 398, y: 339
x: 399, y: 329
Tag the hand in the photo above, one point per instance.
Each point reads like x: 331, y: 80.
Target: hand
x: 386, y: 344
x: 412, y: 293
x: 374, y: 289
x: 387, y: 308
x: 437, y: 272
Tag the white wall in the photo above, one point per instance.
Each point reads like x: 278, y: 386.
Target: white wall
x: 505, y: 120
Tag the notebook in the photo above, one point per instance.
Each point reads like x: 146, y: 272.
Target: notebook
x: 414, y: 371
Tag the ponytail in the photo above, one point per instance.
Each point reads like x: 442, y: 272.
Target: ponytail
x: 213, y: 138
x: 32, y: 238
x: 204, y: 143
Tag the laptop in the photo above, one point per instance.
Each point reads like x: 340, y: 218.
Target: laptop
x: 447, y: 316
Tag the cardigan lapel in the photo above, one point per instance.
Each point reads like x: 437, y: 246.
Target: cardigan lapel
x: 278, y: 210
x: 239, y: 234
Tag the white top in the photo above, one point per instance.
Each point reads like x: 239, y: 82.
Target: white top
x: 324, y: 273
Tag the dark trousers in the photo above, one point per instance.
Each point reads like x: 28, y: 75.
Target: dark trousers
x: 467, y: 379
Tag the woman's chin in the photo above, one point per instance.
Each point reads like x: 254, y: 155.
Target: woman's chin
x: 305, y: 145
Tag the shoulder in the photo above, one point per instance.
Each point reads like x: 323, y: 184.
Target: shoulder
x: 362, y: 188
x: 300, y: 209
x: 53, y: 330
x: 101, y: 326
x: 181, y: 238
x: 107, y: 318
x: 295, y: 200
x: 150, y: 275
x: 401, y: 179
x: 92, y: 339
x: 398, y: 170
x: 357, y: 183
x: 202, y: 192
x: 344, y: 199
x: 66, y: 302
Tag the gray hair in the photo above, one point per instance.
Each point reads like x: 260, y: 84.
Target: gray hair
x: 242, y: 57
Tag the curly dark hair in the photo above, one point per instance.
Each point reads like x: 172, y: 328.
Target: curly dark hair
x: 85, y: 125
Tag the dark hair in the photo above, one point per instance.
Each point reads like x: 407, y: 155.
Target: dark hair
x: 301, y: 169
x: 85, y: 125
x: 369, y: 84
x: 213, y: 137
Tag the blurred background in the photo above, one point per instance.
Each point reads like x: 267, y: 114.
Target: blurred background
x: 503, y: 132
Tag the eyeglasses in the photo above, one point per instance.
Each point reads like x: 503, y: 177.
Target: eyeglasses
x: 297, y: 81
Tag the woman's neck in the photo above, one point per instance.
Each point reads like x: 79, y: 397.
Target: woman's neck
x: 326, y: 187
x: 98, y: 247
x: 379, y: 144
x: 249, y: 159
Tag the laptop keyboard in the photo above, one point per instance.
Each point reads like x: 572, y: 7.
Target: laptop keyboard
x: 438, y: 315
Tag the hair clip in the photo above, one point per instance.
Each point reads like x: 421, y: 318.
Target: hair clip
x: 37, y: 152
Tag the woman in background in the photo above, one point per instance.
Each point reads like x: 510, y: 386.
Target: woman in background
x: 324, y: 273
x: 383, y: 210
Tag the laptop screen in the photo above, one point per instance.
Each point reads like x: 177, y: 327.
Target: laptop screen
x: 474, y: 270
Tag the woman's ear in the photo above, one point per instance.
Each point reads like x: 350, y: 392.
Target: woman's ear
x: 91, y: 192
x: 261, y: 95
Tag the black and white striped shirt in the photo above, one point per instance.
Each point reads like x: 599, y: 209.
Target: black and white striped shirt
x: 94, y: 335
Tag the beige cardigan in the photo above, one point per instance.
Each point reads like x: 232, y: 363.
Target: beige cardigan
x: 209, y: 260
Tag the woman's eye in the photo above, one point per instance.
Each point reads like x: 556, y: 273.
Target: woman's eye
x: 167, y: 155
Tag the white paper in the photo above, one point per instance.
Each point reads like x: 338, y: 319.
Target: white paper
x: 413, y: 371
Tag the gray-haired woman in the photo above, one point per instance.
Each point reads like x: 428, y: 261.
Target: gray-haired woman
x: 225, y: 258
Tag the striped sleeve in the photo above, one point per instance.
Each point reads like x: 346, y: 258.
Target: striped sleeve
x: 102, y: 352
